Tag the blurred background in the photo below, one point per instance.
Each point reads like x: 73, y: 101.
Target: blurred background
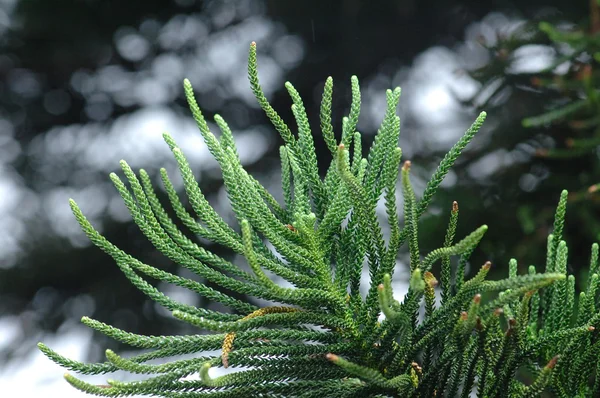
x: 85, y: 83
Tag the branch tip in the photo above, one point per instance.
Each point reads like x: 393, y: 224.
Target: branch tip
x: 332, y: 357
x: 552, y: 362
x: 570, y: 142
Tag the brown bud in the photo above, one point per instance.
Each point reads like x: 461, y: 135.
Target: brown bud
x: 463, y: 316
x: 552, y: 363
x: 380, y: 287
x: 569, y: 142
x: 498, y: 311
x: 342, y: 147
x: 407, y: 165
x: 332, y: 357
x: 591, y: 328
x: 253, y: 44
x: 430, y: 279
x: 477, y: 298
x: 593, y: 188
x: 511, y: 327
x: 455, y: 206
x: 487, y: 266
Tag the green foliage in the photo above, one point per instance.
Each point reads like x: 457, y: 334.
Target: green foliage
x: 322, y: 337
x: 547, y: 129
x: 578, y: 87
x: 570, y: 84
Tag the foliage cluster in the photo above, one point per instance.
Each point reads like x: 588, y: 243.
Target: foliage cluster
x: 326, y: 332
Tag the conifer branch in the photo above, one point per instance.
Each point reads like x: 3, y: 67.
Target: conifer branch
x: 323, y: 336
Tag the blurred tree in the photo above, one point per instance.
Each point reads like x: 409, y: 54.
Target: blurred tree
x: 541, y: 87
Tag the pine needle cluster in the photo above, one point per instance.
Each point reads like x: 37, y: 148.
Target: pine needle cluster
x: 328, y: 335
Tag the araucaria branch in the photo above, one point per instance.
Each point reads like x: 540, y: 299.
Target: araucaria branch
x: 321, y: 338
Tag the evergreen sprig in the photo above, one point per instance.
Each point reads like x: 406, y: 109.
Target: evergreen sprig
x: 321, y: 337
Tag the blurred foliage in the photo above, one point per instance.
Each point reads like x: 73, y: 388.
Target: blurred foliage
x: 547, y: 131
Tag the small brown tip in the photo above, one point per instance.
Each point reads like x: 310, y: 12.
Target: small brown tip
x: 593, y: 188
x: 477, y: 298
x: 512, y: 322
x: 541, y: 152
x: 407, y: 165
x: 430, y: 279
x: 253, y: 44
x: 487, y: 265
x: 464, y: 316
x: 498, y: 311
x: 569, y: 142
x: 591, y: 328
x: 380, y: 286
x: 342, y: 147
x: 455, y: 206
x: 332, y: 357
x: 552, y: 363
